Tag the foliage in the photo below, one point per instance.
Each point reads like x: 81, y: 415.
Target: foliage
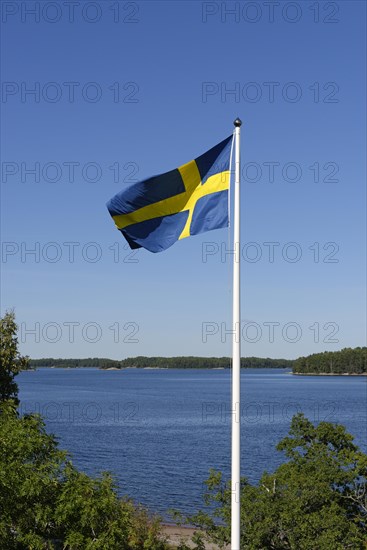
x: 189, y: 362
x: 11, y: 362
x: 348, y: 360
x: 318, y: 499
x: 96, y: 362
x: 185, y: 362
x: 45, y: 502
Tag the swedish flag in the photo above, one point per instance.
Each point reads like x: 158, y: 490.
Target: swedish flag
x: 157, y: 212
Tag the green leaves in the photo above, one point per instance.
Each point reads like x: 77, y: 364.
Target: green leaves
x: 316, y: 500
x: 347, y: 360
x: 45, y: 502
x: 11, y: 362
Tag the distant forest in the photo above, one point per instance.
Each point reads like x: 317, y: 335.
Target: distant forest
x: 348, y: 360
x: 162, y: 362
x: 203, y: 362
x: 74, y: 363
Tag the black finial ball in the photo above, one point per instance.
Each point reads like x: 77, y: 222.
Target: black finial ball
x: 237, y: 122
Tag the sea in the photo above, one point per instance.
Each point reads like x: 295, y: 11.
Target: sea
x: 160, y: 431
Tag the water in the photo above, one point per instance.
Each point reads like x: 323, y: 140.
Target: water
x: 160, y: 431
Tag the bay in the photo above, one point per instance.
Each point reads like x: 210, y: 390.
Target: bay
x: 160, y: 431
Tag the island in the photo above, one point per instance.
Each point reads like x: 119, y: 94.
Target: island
x: 348, y: 361
x: 183, y: 362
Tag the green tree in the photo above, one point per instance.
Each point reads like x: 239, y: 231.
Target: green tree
x: 347, y: 360
x: 11, y: 362
x: 45, y: 502
x: 316, y: 500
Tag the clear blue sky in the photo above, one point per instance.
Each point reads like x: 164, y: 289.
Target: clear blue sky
x: 150, y: 91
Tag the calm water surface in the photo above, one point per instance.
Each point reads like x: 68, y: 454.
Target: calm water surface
x: 160, y: 431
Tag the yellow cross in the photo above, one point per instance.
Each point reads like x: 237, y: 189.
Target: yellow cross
x: 182, y: 202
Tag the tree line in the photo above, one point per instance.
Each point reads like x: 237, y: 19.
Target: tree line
x: 191, y: 362
x: 184, y: 362
x: 96, y: 362
x: 347, y: 360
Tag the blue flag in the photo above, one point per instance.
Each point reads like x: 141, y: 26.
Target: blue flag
x: 191, y: 199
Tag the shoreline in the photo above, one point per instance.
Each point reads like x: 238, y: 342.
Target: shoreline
x: 202, y: 368
x: 329, y: 373
x: 177, y: 533
x: 153, y: 368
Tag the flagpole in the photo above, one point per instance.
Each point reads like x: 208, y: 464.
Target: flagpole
x: 236, y: 356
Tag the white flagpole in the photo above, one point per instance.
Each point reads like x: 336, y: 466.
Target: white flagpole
x: 236, y: 355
